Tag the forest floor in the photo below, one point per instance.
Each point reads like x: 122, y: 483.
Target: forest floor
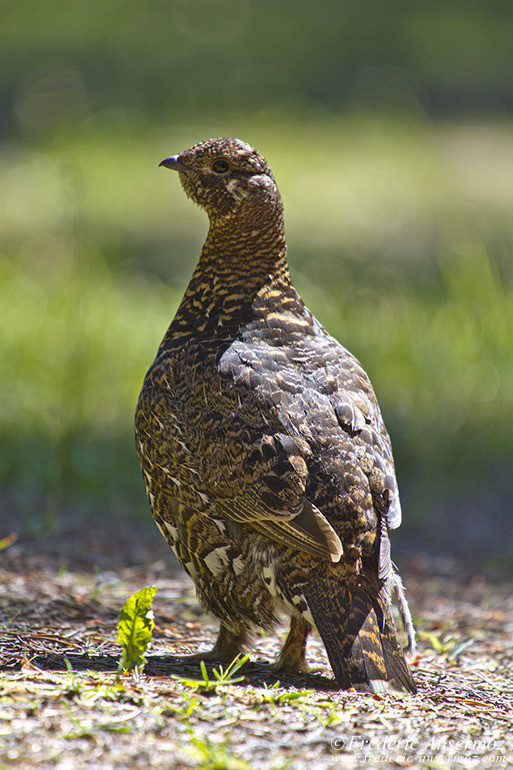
x: 62, y: 704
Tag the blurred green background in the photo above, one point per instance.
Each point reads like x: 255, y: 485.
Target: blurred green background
x: 389, y: 126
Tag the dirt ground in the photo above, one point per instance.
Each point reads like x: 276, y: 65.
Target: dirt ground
x: 63, y: 706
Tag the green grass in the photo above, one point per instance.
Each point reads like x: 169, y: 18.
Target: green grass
x: 400, y: 238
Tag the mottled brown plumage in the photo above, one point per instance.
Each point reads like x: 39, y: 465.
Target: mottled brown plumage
x: 265, y: 458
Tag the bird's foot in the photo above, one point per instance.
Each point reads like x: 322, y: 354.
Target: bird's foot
x: 228, y: 645
x: 291, y: 665
x: 291, y: 659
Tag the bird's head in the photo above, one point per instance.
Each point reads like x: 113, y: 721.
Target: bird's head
x: 228, y: 178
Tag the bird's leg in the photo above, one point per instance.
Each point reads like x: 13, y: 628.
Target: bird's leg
x: 228, y: 645
x: 291, y: 659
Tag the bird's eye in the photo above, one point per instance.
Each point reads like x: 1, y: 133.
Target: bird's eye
x: 220, y: 166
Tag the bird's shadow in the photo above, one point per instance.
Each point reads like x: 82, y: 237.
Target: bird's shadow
x: 254, y: 673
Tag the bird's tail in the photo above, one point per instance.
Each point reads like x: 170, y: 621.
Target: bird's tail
x: 355, y: 623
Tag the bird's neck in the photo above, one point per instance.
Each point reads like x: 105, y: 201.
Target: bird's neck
x: 237, y: 264
x: 244, y: 251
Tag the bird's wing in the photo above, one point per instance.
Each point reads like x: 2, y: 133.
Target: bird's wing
x: 359, y: 416
x: 308, y: 531
x: 344, y: 381
x: 228, y: 460
x: 321, y: 392
x: 269, y: 492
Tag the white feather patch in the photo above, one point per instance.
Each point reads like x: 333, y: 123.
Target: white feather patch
x: 238, y: 565
x: 215, y: 560
x: 270, y: 580
x: 172, y: 530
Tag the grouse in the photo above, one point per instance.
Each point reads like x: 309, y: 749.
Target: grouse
x: 264, y: 454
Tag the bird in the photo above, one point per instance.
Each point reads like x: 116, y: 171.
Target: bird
x: 264, y: 454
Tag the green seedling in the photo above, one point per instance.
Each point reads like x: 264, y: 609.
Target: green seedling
x: 444, y: 643
x: 135, y: 629
x: 222, y: 678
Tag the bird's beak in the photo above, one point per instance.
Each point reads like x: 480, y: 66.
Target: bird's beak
x: 172, y: 162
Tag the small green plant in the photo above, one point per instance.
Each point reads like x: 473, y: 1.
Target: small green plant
x: 74, y: 686
x: 215, y: 756
x: 302, y: 700
x: 5, y: 542
x: 272, y: 695
x: 183, y: 711
x: 135, y: 629
x: 222, y: 678
x: 445, y: 643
